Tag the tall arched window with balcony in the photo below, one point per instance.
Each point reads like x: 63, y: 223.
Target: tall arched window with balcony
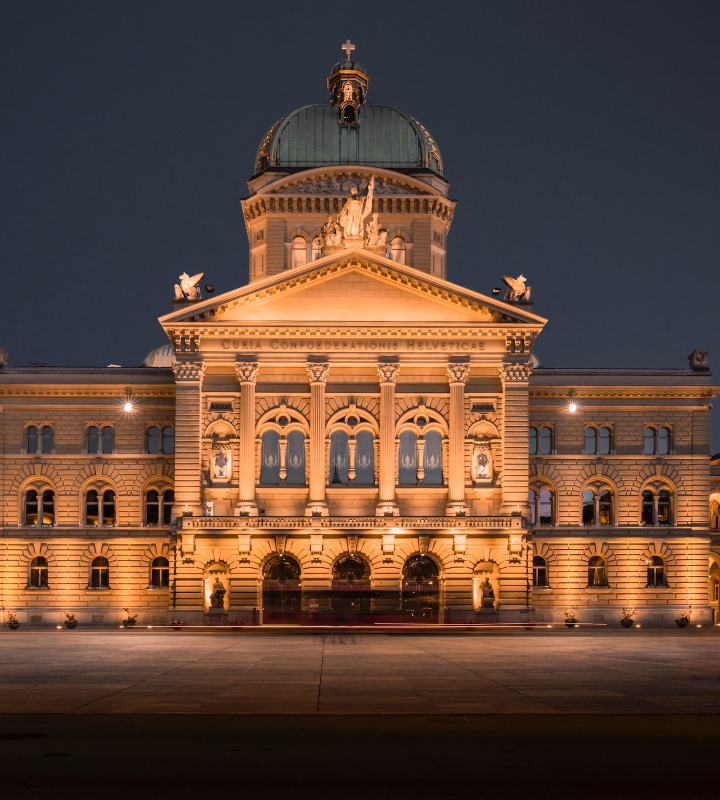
x: 597, y: 506
x: 295, y: 464
x: 407, y: 458
x: 432, y: 459
x: 270, y: 458
x: 39, y: 508
x: 339, y: 458
x: 541, y: 501
x: 365, y: 458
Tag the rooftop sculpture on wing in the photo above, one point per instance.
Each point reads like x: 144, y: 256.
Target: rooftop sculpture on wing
x: 188, y: 288
x: 517, y: 288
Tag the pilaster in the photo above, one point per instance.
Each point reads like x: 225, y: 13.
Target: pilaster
x: 247, y: 374
x: 457, y: 376
x: 387, y: 375
x: 188, y: 384
x: 317, y: 375
x: 515, y: 467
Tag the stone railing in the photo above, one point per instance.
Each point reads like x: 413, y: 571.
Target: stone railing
x: 349, y: 523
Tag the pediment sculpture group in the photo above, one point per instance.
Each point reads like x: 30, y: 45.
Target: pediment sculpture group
x: 350, y: 222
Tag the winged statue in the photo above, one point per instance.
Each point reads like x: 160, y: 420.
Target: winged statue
x: 188, y: 288
x: 518, y: 289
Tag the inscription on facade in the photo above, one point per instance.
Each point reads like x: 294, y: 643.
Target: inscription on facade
x: 352, y: 345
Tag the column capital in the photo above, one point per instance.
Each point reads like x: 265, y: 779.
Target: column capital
x: 317, y: 372
x: 247, y: 371
x: 188, y: 370
x: 387, y: 373
x: 457, y: 372
x: 515, y: 373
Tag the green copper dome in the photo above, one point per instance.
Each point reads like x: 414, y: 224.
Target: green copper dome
x: 383, y: 137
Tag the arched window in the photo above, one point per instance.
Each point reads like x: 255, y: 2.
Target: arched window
x: 365, y: 458
x: 546, y: 441
x: 407, y: 458
x: 168, y: 500
x: 397, y: 250
x: 100, y: 508
x: 649, y: 441
x: 597, y: 506
x: 316, y: 248
x: 38, y: 578
x: 108, y: 439
x: 160, y: 573
x: 663, y: 441
x: 47, y: 440
x: 532, y: 441
x: 432, y: 459
x: 168, y: 440
x: 299, y: 252
x: 351, y: 585
x: 597, y: 572
x: 99, y: 573
x: 152, y: 508
x: 339, y: 457
x: 715, y: 590
x: 421, y: 589
x: 93, y: 440
x: 655, y: 508
x: 348, y: 115
x: 714, y: 514
x: 39, y: 508
x: 542, y: 501
x: 540, y: 571
x: 153, y: 439
x: 604, y: 441
x: 295, y: 464
x: 282, y: 568
x: 656, y: 572
x: 32, y: 439
x: 270, y: 458
x: 590, y: 441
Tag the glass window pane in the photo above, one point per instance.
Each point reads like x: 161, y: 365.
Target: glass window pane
x: 588, y: 510
x: 407, y: 458
x: 365, y: 458
x: 590, y: 441
x: 153, y: 440
x: 339, y: 458
x: 108, y: 439
x: 663, y: 507
x: 531, y: 503
x: 168, y: 440
x: 649, y: 441
x: 546, y: 508
x: 48, y: 507
x: 295, y: 457
x: 532, y: 441
x: 647, y: 516
x: 605, y: 441
x: 108, y: 507
x: 32, y: 439
x: 152, y: 508
x: 92, y: 508
x: 270, y: 458
x: 31, y: 507
x: 605, y: 507
x: 545, y: 441
x: 432, y: 458
x: 168, y: 501
x: 93, y: 440
x: 47, y: 439
x: 664, y: 441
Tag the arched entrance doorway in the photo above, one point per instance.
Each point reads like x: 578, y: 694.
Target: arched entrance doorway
x: 350, y: 594
x: 421, y: 590
x: 281, y: 590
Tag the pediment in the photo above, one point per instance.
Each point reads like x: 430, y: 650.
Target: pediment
x: 337, y: 181
x: 356, y: 288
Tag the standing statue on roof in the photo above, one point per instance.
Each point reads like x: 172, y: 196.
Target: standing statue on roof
x: 355, y: 210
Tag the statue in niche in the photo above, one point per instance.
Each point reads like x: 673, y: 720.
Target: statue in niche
x: 331, y: 233
x: 221, y: 465
x: 482, y: 463
x: 355, y: 210
x: 375, y: 235
x: 217, y: 597
x: 488, y: 594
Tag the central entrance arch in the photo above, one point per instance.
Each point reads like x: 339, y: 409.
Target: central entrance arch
x: 420, y: 598
x: 350, y: 596
x: 281, y: 591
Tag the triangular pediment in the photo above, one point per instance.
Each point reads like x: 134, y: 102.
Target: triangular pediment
x: 354, y: 288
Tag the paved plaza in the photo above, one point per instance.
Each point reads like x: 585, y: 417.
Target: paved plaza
x: 559, y: 671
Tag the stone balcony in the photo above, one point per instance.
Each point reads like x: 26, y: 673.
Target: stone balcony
x: 351, y: 523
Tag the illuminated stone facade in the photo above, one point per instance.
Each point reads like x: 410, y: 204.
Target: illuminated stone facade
x: 352, y: 437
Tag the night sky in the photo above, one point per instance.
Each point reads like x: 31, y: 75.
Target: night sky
x: 581, y: 140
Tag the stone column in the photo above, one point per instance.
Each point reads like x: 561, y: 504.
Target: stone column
x: 515, y: 466
x: 318, y: 375
x: 188, y: 464
x: 247, y: 374
x: 387, y: 373
x: 457, y: 375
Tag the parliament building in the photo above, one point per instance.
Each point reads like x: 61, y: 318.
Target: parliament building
x: 351, y: 437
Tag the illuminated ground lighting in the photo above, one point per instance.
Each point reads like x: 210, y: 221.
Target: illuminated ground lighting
x: 638, y: 625
x: 698, y: 626
x: 59, y: 627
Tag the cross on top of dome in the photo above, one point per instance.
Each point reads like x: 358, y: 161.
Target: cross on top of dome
x: 348, y: 47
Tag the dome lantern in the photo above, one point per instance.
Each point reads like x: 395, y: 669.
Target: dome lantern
x: 348, y: 85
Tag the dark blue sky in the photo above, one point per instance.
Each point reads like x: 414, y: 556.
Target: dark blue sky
x: 580, y: 138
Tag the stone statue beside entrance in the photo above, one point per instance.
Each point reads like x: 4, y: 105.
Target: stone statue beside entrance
x: 488, y: 594
x: 217, y: 596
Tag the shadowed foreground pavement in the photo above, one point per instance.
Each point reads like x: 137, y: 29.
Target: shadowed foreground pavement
x: 141, y: 714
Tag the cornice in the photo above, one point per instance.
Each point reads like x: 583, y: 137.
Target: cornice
x: 604, y: 392
x: 74, y: 391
